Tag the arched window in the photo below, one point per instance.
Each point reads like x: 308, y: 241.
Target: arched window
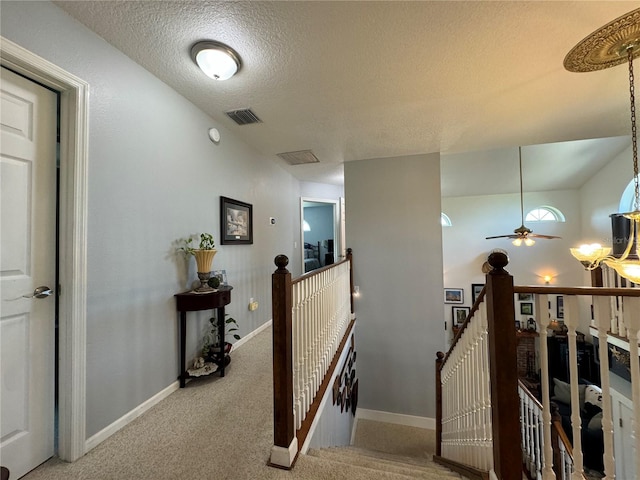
x: 544, y: 214
x: 445, y: 221
x: 626, y: 201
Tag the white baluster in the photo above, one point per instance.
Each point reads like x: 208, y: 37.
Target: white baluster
x: 543, y: 320
x: 632, y: 321
x: 571, y: 315
x: 602, y: 316
x: 486, y: 387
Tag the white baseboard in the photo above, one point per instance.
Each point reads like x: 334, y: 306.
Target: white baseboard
x: 397, y: 418
x: 250, y: 335
x: 127, y: 418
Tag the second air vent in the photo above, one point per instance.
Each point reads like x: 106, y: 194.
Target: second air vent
x: 243, y: 116
x: 300, y: 157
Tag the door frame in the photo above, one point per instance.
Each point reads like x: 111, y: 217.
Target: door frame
x: 74, y: 134
x: 338, y: 234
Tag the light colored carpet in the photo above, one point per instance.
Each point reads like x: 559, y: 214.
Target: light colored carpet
x: 222, y: 428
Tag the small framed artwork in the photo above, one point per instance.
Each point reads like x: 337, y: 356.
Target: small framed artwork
x: 236, y: 222
x: 526, y: 308
x: 525, y: 297
x: 222, y: 276
x: 476, y: 288
x: 460, y: 314
x: 560, y: 306
x: 518, y: 325
x: 453, y: 295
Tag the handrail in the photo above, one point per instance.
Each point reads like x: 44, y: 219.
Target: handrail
x: 317, y: 271
x: 463, y: 327
x: 594, y: 291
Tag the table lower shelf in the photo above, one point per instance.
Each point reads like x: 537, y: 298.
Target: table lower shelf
x: 209, y: 368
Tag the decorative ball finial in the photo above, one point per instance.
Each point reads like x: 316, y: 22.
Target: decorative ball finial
x: 281, y: 262
x: 498, y: 260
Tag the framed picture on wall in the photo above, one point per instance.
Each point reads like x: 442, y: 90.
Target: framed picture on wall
x: 236, y: 222
x: 453, y: 295
x: 460, y: 314
x: 560, y: 306
x: 526, y: 308
x: 476, y: 288
x: 525, y: 297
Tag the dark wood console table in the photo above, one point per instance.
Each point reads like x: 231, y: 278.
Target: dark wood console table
x: 193, y: 302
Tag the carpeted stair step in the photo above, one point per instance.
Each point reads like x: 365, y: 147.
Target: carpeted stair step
x: 309, y: 466
x: 410, y: 467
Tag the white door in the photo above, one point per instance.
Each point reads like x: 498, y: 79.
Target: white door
x: 27, y: 261
x: 626, y: 467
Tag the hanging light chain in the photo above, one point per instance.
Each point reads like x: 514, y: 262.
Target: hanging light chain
x: 636, y: 199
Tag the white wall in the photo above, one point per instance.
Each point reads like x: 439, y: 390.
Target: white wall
x: 393, y: 226
x: 154, y: 177
x: 334, y: 424
x: 465, y: 247
x: 600, y: 197
x: 321, y: 190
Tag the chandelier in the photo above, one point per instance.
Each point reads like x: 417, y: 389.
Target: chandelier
x: 615, y: 43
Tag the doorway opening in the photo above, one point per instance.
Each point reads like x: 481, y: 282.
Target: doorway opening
x: 320, y: 233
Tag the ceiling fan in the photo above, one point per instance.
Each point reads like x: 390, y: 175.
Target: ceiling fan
x: 522, y: 233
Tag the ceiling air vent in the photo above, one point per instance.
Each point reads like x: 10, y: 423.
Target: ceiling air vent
x: 299, y: 158
x: 243, y: 116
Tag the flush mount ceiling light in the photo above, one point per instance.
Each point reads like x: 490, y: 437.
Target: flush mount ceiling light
x: 615, y: 43
x: 215, y: 59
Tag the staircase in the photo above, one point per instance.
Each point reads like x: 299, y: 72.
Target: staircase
x: 360, y: 463
x: 380, y: 451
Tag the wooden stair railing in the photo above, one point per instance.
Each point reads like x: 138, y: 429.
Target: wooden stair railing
x: 534, y: 445
x: 316, y: 349
x: 495, y: 305
x: 616, y: 313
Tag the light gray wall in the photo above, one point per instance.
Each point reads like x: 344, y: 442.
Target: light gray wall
x: 393, y: 226
x: 154, y: 177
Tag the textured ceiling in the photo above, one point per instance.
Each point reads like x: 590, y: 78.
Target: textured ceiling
x: 361, y: 80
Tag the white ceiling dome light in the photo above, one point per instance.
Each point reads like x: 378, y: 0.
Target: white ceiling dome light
x: 215, y: 59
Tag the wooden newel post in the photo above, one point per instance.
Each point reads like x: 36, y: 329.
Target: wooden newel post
x: 350, y: 258
x: 439, y: 358
x: 505, y: 404
x: 285, y: 446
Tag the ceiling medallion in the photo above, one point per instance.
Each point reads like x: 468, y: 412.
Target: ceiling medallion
x: 607, y: 46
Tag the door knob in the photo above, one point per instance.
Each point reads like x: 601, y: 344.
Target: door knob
x: 40, y: 292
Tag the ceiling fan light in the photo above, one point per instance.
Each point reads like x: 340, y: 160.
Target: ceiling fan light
x: 517, y: 241
x: 215, y: 59
x: 529, y: 241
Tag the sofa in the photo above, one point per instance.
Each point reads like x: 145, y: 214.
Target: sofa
x: 590, y: 415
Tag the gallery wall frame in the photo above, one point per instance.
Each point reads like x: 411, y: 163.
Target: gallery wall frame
x: 453, y: 295
x: 559, y: 307
x: 526, y: 308
x: 460, y: 314
x: 476, y: 288
x: 236, y: 222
